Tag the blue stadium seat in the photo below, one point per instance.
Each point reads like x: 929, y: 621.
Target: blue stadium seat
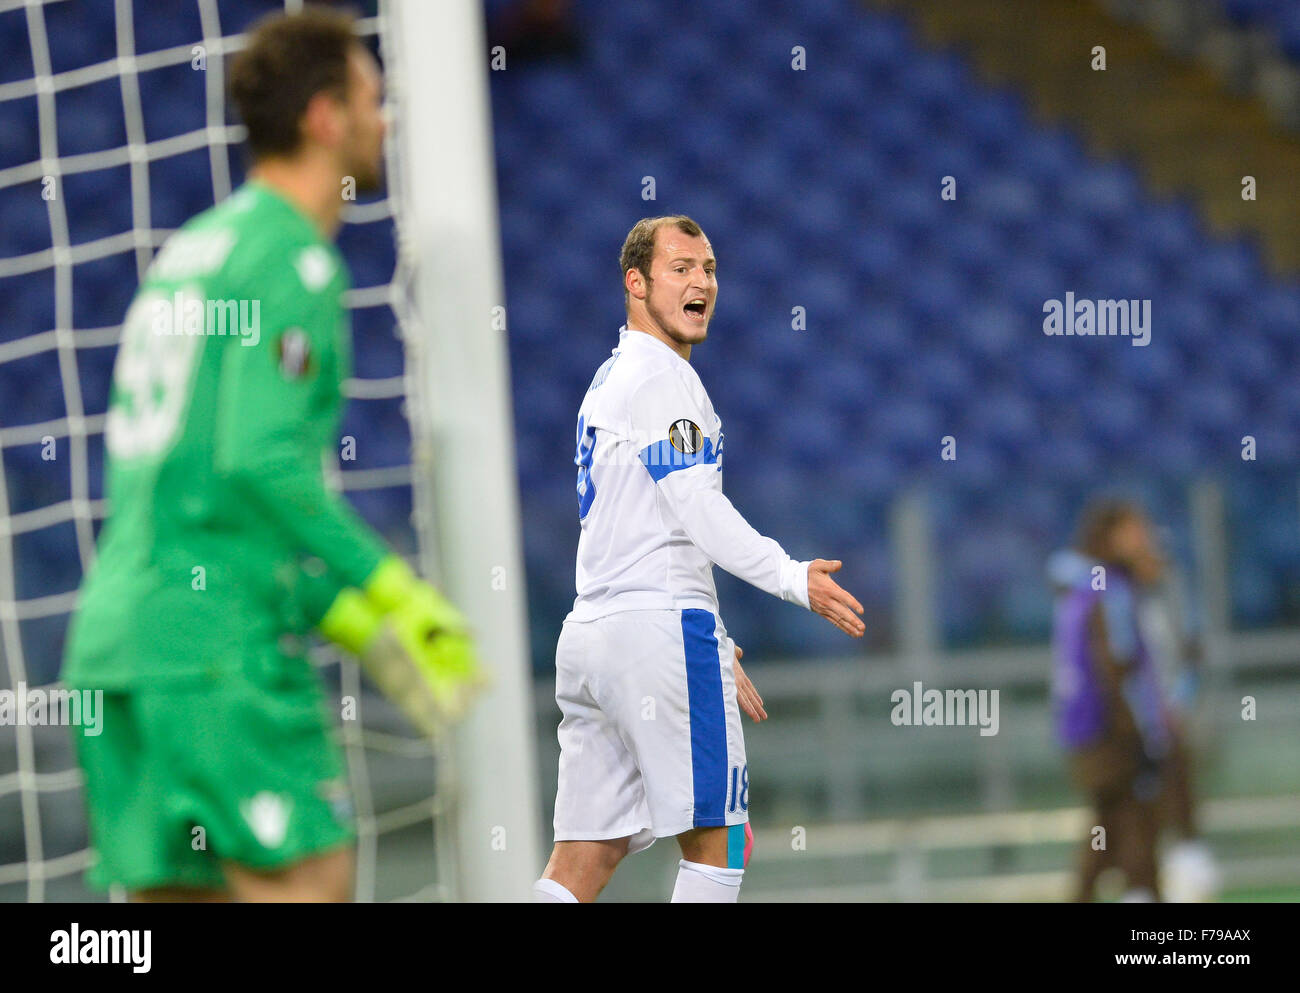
x: 1287, y: 26
x: 27, y: 220
x: 1226, y: 270
x: 94, y: 203
x: 19, y: 125
x: 90, y: 118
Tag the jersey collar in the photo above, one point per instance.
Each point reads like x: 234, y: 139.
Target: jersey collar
x: 629, y: 336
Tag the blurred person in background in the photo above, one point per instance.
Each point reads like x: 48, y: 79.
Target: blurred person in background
x: 1126, y: 681
x: 1109, y: 710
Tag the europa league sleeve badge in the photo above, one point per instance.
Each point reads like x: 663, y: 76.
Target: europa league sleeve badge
x: 686, y: 436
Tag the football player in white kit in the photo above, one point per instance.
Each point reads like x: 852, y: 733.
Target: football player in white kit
x: 648, y: 681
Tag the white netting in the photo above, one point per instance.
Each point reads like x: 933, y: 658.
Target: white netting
x: 42, y: 829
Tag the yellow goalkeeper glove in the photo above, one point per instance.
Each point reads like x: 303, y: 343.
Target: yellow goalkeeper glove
x: 414, y: 645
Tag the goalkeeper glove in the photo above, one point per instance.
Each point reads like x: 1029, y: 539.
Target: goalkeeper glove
x: 413, y: 644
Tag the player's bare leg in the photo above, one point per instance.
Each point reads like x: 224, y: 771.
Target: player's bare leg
x: 584, y: 868
x: 1136, y: 852
x: 1179, y: 811
x: 707, y: 846
x: 179, y: 894
x: 703, y: 875
x: 323, y: 878
x: 1092, y: 860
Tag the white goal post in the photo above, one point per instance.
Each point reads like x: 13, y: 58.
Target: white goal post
x: 464, y: 436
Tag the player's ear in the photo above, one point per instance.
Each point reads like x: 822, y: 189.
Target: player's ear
x: 323, y: 120
x: 634, y: 283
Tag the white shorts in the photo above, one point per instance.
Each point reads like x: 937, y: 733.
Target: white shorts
x: 650, y: 741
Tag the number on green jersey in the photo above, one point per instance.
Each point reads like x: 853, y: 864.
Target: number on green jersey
x: 151, y: 378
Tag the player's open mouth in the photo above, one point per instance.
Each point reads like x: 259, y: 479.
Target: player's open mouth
x: 695, y: 310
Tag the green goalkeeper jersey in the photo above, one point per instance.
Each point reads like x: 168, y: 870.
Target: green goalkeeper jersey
x: 226, y: 398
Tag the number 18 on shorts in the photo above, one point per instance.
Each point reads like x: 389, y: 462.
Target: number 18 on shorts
x: 650, y: 741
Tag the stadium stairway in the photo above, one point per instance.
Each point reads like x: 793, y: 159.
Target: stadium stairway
x: 1188, y: 132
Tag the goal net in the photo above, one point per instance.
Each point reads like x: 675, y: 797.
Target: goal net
x: 116, y: 131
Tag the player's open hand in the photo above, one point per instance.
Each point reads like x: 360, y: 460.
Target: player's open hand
x: 831, y: 600
x: 748, y: 698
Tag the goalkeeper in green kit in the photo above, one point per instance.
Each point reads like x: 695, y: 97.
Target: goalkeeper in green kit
x: 215, y: 776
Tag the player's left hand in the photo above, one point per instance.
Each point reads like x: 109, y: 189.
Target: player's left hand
x: 415, y: 646
x: 750, y: 702
x: 435, y: 635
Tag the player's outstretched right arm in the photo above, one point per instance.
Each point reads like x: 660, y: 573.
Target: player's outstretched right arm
x: 687, y: 484
x: 720, y: 531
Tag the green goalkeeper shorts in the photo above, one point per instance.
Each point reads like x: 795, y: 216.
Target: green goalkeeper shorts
x: 239, y: 768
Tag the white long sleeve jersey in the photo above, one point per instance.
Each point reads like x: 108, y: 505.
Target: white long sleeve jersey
x: 654, y: 519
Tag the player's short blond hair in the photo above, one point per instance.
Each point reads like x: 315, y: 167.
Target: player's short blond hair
x: 639, y: 245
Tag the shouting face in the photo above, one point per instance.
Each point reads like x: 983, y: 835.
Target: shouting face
x: 676, y: 301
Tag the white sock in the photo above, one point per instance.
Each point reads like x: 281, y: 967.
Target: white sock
x: 1189, y: 873
x: 549, y: 891
x: 1138, y: 894
x: 698, y: 883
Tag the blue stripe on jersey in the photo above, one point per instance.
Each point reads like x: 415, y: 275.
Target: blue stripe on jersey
x: 661, y: 458
x: 736, y: 846
x: 708, y: 717
x: 583, y: 460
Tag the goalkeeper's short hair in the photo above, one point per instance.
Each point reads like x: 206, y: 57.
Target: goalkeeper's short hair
x: 288, y: 60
